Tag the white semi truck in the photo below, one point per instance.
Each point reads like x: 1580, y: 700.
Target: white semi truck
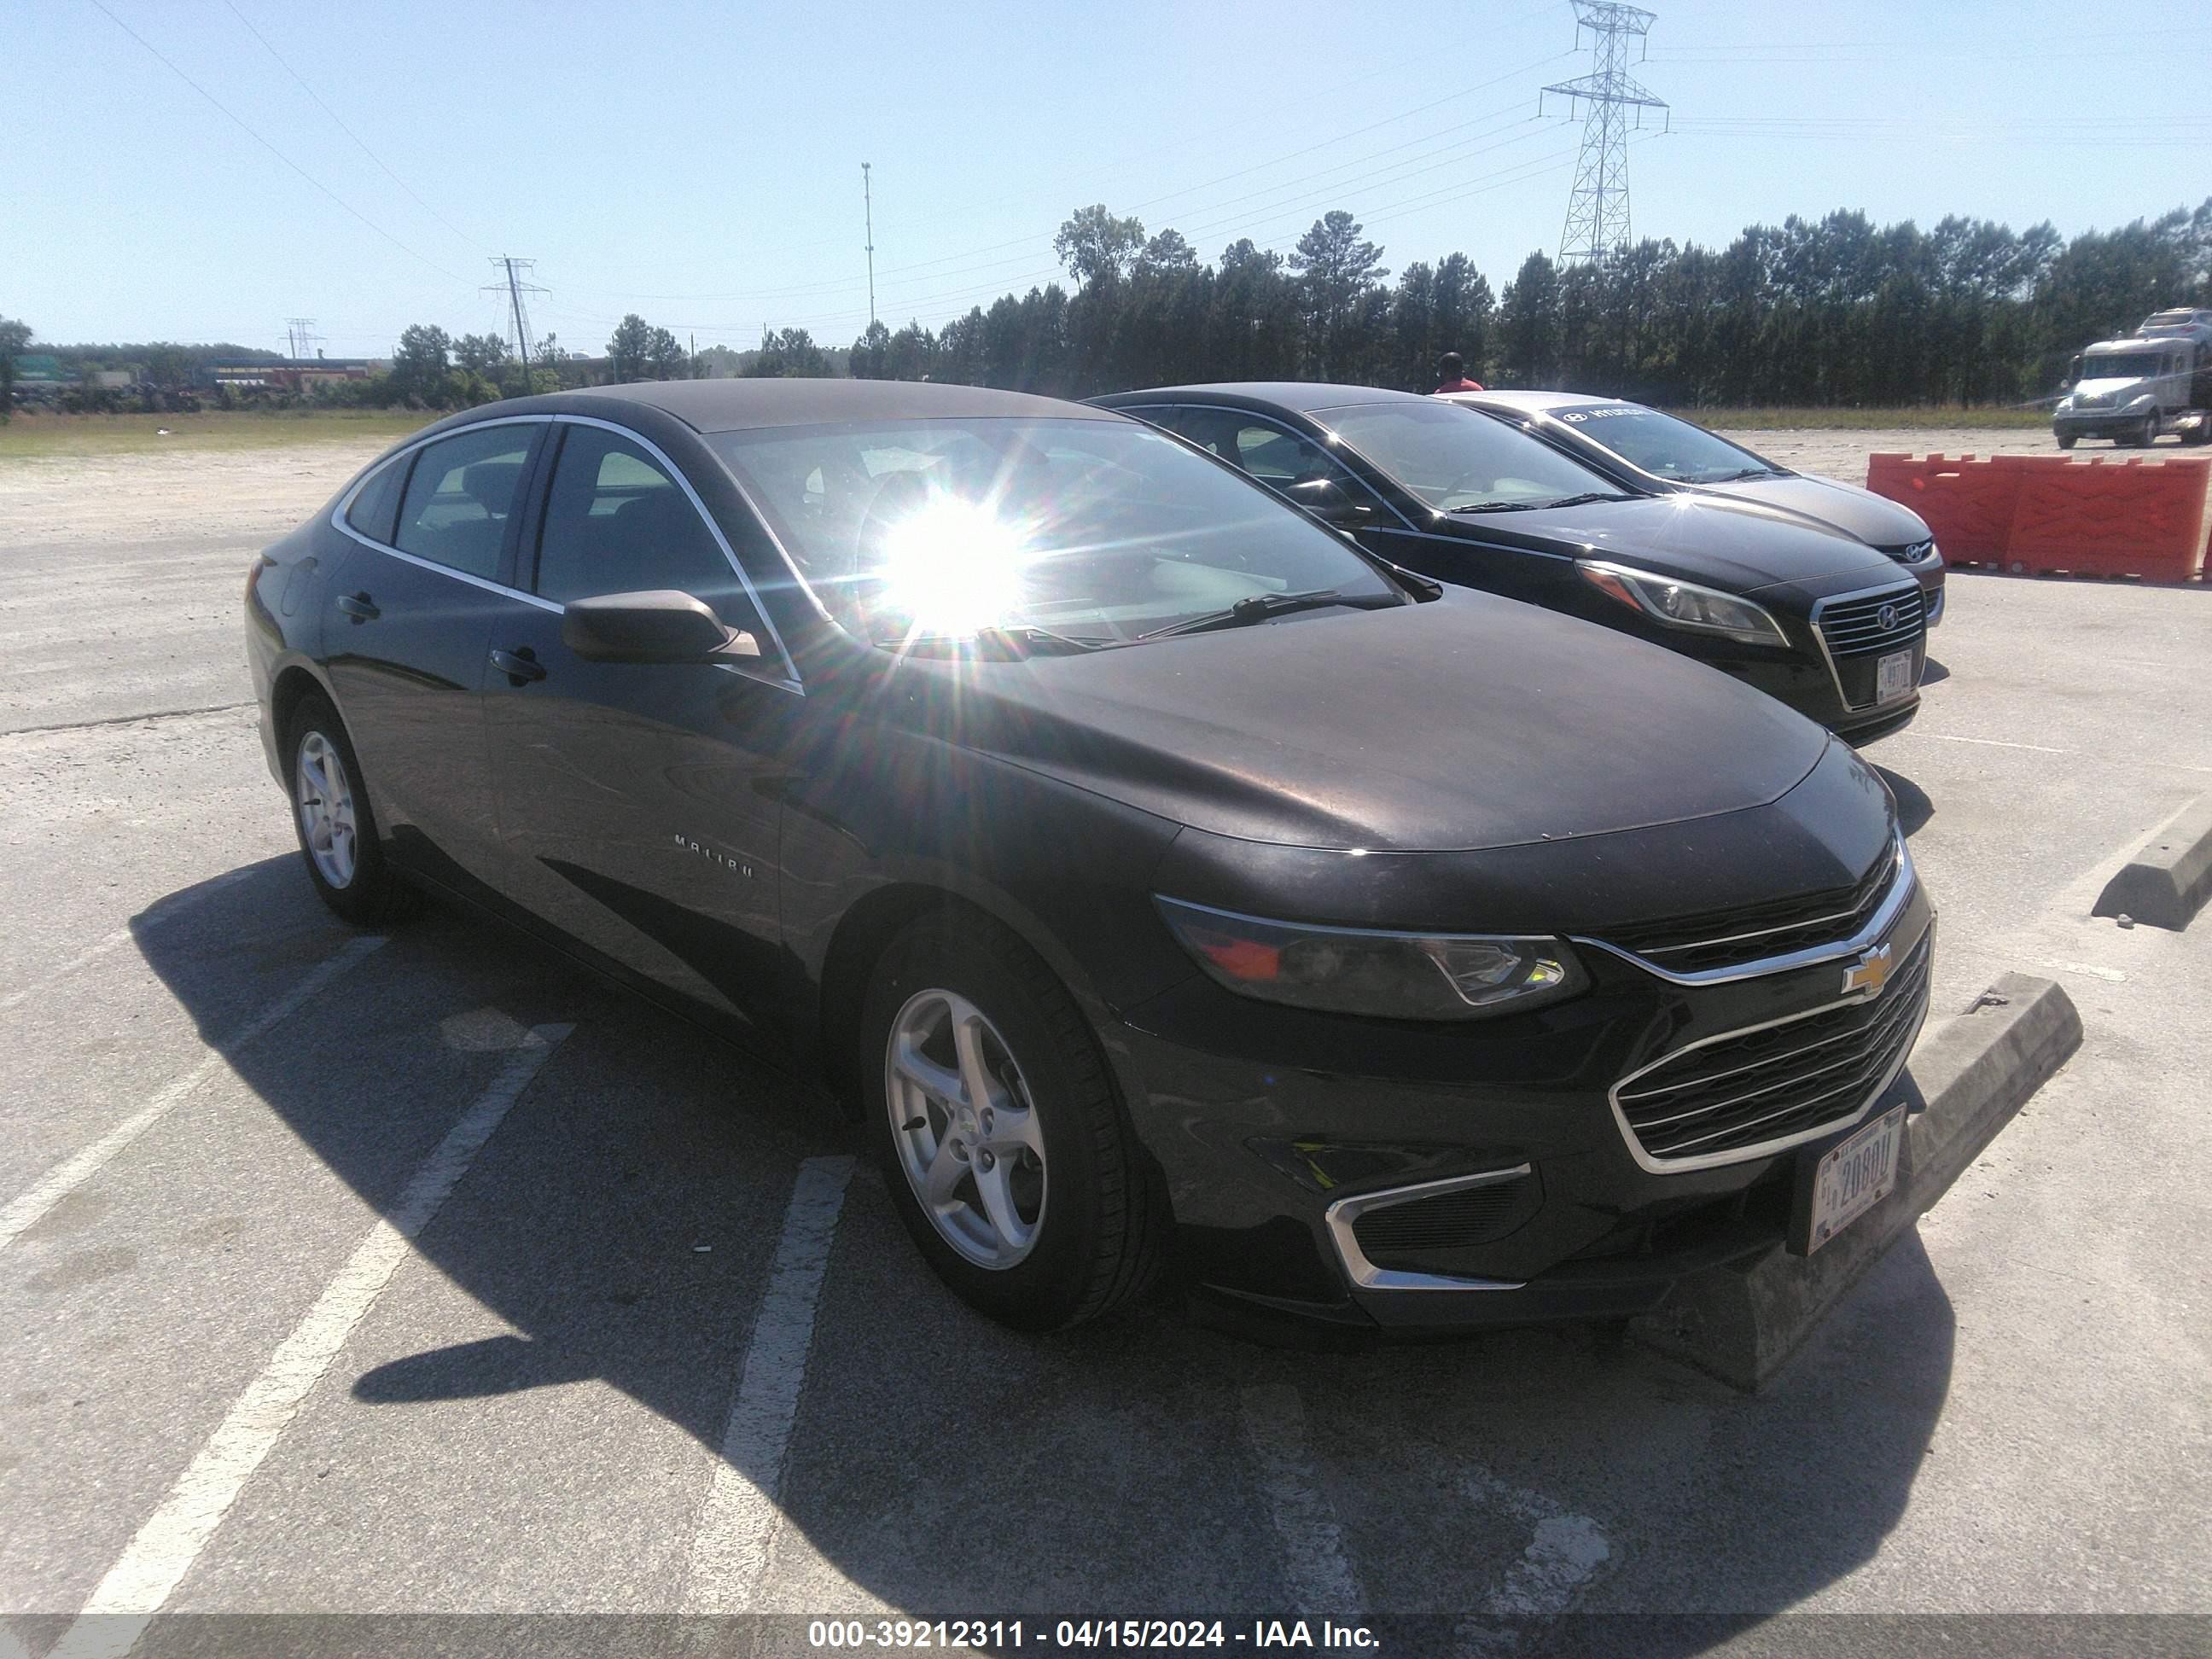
x: 2130, y: 390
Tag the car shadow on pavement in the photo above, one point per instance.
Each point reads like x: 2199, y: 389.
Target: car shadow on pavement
x: 620, y: 1226
x: 1914, y: 809
x: 1933, y: 672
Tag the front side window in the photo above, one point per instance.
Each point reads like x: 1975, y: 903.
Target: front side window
x: 1103, y: 530
x: 1459, y: 461
x: 616, y: 522
x: 462, y: 493
x: 1663, y: 445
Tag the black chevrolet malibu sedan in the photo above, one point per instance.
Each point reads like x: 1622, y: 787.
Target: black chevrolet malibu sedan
x: 1652, y: 450
x: 1808, y: 615
x: 1161, y: 877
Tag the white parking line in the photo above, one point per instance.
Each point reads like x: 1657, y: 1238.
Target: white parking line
x: 1320, y: 1575
x: 1567, y: 1550
x: 735, y: 1529
x: 65, y: 1177
x: 1991, y: 743
x: 155, y: 1562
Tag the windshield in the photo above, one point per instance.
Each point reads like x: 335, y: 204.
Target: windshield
x: 1097, y: 531
x: 1661, y: 445
x: 2127, y: 366
x: 1459, y: 459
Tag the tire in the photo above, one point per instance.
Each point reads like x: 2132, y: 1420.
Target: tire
x: 337, y: 837
x: 2068, y: 440
x: 1063, y: 1162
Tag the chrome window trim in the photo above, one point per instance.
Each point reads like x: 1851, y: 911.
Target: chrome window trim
x: 344, y: 505
x: 1651, y: 1165
x: 1366, y: 1276
x: 1902, y: 887
x: 1323, y: 444
x: 1905, y: 587
x: 789, y: 682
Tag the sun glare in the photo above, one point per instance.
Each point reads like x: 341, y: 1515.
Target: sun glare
x: 953, y: 566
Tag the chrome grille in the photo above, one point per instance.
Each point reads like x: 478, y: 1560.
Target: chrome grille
x: 1879, y: 623
x: 1737, y: 1095
x: 1755, y: 932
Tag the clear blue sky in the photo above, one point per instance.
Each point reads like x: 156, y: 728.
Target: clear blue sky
x: 700, y: 163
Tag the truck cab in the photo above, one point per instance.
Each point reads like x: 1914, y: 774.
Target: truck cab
x: 2131, y: 390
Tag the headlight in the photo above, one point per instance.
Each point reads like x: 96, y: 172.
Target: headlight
x: 2142, y: 400
x: 1352, y: 970
x: 1684, y: 605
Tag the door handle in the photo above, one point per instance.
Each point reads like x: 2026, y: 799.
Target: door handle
x: 520, y: 664
x: 359, y: 607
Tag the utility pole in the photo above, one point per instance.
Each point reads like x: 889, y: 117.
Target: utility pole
x: 515, y: 287
x: 868, y: 207
x: 1597, y: 207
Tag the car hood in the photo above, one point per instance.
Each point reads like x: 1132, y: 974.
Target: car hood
x: 1719, y: 540
x: 1467, y: 722
x: 1833, y: 504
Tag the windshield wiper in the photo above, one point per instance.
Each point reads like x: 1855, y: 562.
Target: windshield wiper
x: 1590, y: 496
x: 1017, y: 640
x: 1748, y: 472
x: 1259, y: 607
x: 1494, y: 506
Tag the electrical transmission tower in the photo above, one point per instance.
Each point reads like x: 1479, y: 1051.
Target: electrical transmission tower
x: 1597, y: 207
x: 512, y: 285
x: 300, y: 337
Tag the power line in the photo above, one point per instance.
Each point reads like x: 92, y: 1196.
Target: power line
x: 343, y: 128
x: 238, y: 121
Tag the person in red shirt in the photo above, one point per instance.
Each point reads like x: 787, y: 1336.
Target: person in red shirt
x: 1451, y: 370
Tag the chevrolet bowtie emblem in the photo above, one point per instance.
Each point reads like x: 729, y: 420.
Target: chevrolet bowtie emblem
x: 1865, y: 977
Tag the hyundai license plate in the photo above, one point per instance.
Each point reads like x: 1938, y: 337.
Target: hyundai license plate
x: 1850, y: 1179
x: 1892, y: 677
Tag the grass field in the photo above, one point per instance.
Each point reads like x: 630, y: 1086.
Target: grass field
x: 28, y: 436
x: 1855, y: 419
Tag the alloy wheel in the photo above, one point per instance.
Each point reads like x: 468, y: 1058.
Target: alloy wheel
x: 324, y: 797
x: 965, y: 1128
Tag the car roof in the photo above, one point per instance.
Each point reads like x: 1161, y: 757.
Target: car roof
x: 733, y: 406
x: 1307, y: 396
x: 1538, y: 401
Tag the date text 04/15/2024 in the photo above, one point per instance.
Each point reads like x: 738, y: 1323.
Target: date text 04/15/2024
x: 1086, y: 1634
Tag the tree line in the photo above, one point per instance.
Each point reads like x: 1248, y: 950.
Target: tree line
x: 1833, y: 311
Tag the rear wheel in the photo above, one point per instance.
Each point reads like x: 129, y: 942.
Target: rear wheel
x: 332, y: 813
x: 1005, y: 1151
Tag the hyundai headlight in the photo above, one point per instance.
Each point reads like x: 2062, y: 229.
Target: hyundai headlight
x: 1684, y: 605
x: 1386, y: 975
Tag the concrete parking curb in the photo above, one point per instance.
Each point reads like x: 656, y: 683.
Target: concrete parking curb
x: 2168, y: 881
x: 1968, y: 1078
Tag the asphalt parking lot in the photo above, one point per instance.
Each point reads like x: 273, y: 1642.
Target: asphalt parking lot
x: 426, y: 1274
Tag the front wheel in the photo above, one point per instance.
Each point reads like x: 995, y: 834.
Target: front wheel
x: 1006, y: 1154
x: 2068, y: 440
x: 332, y: 813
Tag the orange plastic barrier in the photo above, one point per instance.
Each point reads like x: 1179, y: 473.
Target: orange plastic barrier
x: 2099, y: 516
x: 1967, y: 503
x: 2111, y: 518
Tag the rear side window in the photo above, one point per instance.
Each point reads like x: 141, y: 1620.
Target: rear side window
x: 376, y: 503
x: 463, y: 492
x: 616, y: 522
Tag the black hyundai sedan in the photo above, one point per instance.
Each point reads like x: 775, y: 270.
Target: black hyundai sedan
x: 1652, y: 450
x: 1160, y: 878
x: 1815, y: 617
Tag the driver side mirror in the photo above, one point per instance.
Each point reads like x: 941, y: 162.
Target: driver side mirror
x: 1328, y: 501
x: 659, y: 626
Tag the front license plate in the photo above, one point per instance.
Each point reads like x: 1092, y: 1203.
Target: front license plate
x: 1892, y: 677
x: 1852, y: 1178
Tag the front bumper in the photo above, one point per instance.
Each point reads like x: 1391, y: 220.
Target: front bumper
x: 1419, y: 1177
